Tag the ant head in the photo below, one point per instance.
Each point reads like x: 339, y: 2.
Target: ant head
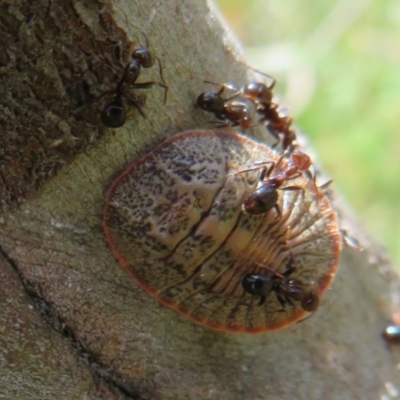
x: 257, y: 285
x: 310, y: 302
x: 210, y: 101
x: 145, y: 57
x: 301, y: 160
x: 258, y: 91
x: 114, y: 114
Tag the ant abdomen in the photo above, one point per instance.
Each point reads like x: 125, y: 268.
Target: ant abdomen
x: 261, y: 200
x: 114, y: 114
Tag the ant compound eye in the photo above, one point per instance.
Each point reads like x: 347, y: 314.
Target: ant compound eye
x: 114, y: 115
x: 174, y: 220
x: 210, y: 101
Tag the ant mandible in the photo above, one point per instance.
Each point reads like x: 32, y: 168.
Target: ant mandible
x: 114, y: 113
x: 286, y: 290
x: 265, y: 197
x: 235, y: 110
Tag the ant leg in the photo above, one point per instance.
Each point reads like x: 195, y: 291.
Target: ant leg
x: 258, y: 164
x: 280, y: 160
x: 281, y: 301
x: 94, y: 101
x: 322, y: 189
x: 289, y: 138
x: 270, y: 169
x: 224, y: 124
x: 312, y: 177
x: 274, y: 133
x: 223, y: 87
x: 148, y: 85
x: 289, y: 271
x: 278, y: 210
x: 325, y: 185
x: 264, y: 173
x: 292, y: 188
x: 166, y: 88
x: 260, y: 72
x: 136, y: 105
x: 289, y: 301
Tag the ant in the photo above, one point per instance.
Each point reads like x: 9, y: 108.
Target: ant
x: 235, y: 110
x: 265, y: 197
x: 114, y: 113
x: 239, y: 109
x: 261, y: 94
x: 286, y: 290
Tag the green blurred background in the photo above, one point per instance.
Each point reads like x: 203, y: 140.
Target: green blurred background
x: 337, y: 65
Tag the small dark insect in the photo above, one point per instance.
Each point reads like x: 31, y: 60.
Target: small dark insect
x: 392, y: 334
x: 235, y: 110
x: 250, y: 106
x: 265, y: 197
x: 114, y: 113
x: 262, y: 94
x: 286, y: 290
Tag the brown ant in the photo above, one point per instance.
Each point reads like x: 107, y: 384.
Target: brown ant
x: 261, y: 94
x: 235, y: 110
x: 265, y: 197
x: 114, y: 113
x: 286, y: 290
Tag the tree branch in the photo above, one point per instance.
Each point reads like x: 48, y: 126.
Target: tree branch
x: 93, y: 333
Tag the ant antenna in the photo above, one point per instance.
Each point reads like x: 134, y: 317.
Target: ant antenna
x: 306, y: 318
x: 147, y: 24
x: 162, y: 76
x: 273, y: 80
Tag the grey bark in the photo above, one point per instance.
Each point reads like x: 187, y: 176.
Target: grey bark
x: 73, y: 325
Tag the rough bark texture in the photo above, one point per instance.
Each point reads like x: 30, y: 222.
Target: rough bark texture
x: 73, y: 325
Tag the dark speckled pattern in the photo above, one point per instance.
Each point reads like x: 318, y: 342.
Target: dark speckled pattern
x: 174, y: 220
